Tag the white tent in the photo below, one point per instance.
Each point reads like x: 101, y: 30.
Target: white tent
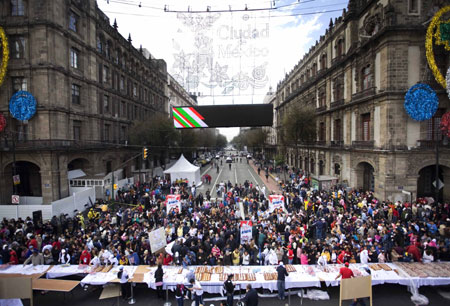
x: 183, y: 169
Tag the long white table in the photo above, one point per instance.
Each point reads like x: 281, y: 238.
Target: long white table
x: 305, y: 275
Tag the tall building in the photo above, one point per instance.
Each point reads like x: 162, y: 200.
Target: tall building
x: 356, y: 77
x: 90, y: 84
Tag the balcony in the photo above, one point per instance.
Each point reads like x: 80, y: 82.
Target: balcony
x: 363, y: 144
x: 337, y: 143
x: 53, y: 144
x: 363, y: 94
x: 337, y: 103
x: 321, y: 109
x: 431, y: 144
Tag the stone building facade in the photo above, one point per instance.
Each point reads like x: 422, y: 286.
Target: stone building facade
x: 356, y: 77
x: 90, y: 84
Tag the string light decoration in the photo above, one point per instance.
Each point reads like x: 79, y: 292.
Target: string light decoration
x: 421, y: 102
x: 2, y: 122
x: 434, y: 31
x: 5, y: 55
x: 445, y: 124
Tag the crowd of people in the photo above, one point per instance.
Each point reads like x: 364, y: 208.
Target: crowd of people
x: 315, y: 227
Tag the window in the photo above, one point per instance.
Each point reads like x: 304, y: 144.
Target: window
x: 322, y: 98
x: 106, y: 132
x: 366, y: 78
x: 337, y: 169
x: 123, y: 111
x: 17, y: 8
x: 365, y: 128
x: 337, y: 130
x: 108, y: 49
x: 76, y: 130
x: 312, y: 170
x: 340, y: 48
x: 123, y: 133
x: 74, y: 55
x: 322, y: 131
x: 323, y: 61
x: 73, y: 21
x: 99, y: 44
x: 338, y: 89
x: 17, y: 47
x: 19, y: 83
x: 106, y: 104
x: 413, y: 7
x: 122, y: 82
x: 105, y: 74
x: 75, y: 94
x: 117, y: 60
x: 321, y: 167
x: 433, y: 125
x: 134, y: 89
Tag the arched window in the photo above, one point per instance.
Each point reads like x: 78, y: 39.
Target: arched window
x: 337, y: 169
x: 312, y: 170
x: 100, y: 43
x: 321, y: 167
x: 108, y: 49
x: 118, y: 57
x: 323, y: 61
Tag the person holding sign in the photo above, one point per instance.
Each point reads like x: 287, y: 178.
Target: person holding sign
x: 346, y: 272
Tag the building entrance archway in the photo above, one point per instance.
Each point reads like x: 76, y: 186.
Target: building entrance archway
x: 30, y: 179
x: 427, y: 176
x: 365, y: 177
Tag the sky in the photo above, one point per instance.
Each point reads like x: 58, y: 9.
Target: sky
x: 228, y: 55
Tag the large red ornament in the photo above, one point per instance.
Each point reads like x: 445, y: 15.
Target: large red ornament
x: 2, y: 122
x: 445, y: 124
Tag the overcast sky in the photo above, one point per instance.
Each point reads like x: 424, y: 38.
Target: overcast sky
x: 225, y: 56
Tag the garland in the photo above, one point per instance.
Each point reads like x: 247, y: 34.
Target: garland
x: 421, y: 102
x: 445, y: 124
x: 2, y: 122
x: 435, y: 23
x: 5, y: 56
x: 447, y: 79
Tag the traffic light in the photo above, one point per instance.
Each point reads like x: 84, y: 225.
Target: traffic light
x: 144, y: 153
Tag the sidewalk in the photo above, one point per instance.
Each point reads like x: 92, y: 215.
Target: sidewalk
x: 271, y: 184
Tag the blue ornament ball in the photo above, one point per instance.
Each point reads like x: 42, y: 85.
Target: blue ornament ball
x: 22, y: 105
x: 421, y: 102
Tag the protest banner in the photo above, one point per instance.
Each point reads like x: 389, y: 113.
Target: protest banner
x: 157, y: 239
x: 173, y: 201
x: 276, y: 201
x: 246, y: 231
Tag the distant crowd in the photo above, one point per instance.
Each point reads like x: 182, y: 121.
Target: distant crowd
x: 316, y: 227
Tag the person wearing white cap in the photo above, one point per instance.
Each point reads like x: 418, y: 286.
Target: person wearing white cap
x: 64, y: 257
x: 123, y: 277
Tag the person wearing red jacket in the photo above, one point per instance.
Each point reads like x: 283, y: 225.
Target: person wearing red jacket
x: 415, y: 252
x: 85, y: 257
x: 13, y: 259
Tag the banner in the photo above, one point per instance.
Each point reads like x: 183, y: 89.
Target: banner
x: 246, y: 231
x: 157, y: 239
x: 173, y: 201
x: 276, y: 202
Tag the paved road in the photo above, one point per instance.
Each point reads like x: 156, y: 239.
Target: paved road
x: 239, y: 173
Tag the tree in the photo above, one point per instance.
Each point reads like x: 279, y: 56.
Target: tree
x: 221, y: 141
x: 157, y: 133
x: 299, y: 127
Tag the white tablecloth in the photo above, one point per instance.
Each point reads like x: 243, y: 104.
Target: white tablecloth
x: 61, y: 271
x: 25, y: 270
x: 102, y: 278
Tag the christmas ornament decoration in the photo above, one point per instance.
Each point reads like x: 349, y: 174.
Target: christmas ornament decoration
x: 447, y: 79
x: 421, y: 102
x: 2, y: 122
x: 440, y: 31
x: 445, y: 124
x: 22, y: 105
x: 5, y: 55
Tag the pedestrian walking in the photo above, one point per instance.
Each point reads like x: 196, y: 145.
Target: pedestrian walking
x: 251, y: 297
x: 179, y: 294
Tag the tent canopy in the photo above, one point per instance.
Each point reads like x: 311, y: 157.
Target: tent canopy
x: 183, y: 169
